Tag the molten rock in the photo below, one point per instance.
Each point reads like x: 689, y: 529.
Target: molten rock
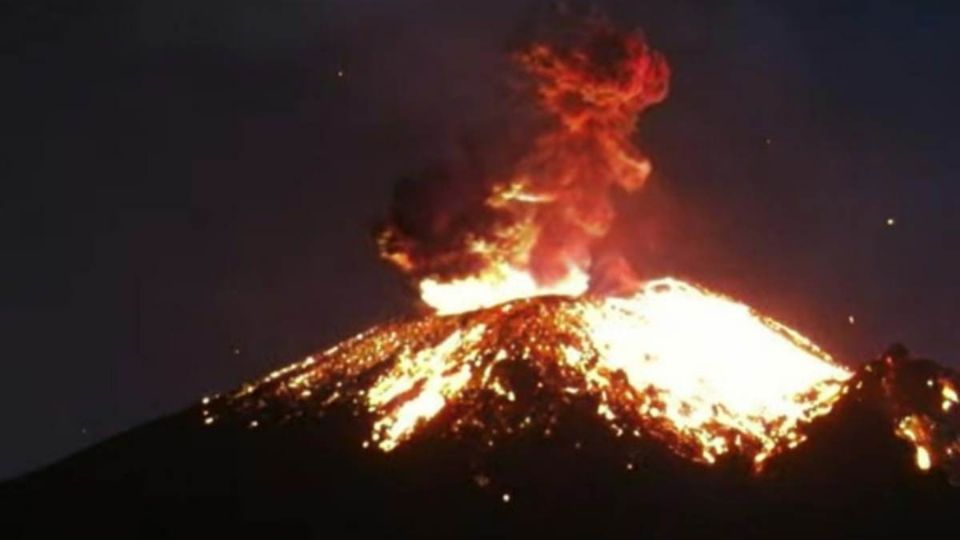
x: 518, y: 455
x: 694, y: 369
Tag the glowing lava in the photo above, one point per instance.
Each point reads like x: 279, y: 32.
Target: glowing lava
x: 699, y: 371
x: 926, y: 415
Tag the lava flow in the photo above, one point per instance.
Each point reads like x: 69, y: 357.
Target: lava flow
x: 515, y: 298
x: 699, y: 371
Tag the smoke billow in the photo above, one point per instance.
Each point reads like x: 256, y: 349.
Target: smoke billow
x: 539, y: 210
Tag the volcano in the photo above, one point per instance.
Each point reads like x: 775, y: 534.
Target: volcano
x: 265, y: 460
x: 544, y: 389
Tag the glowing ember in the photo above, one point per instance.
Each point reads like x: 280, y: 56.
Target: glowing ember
x: 950, y: 397
x: 917, y: 429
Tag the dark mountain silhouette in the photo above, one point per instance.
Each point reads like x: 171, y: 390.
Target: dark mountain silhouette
x: 308, y: 477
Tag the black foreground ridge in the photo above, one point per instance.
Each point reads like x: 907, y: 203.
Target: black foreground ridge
x: 307, y: 477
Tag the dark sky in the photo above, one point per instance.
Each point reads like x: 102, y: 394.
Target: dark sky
x: 189, y: 187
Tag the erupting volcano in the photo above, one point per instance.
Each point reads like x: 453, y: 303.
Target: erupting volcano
x: 515, y: 298
x: 537, y: 370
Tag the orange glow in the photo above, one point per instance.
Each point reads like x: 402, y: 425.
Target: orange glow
x: 545, y: 210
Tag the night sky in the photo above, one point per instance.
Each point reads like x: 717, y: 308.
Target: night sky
x: 189, y: 188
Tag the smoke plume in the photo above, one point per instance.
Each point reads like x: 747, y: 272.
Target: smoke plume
x: 539, y: 215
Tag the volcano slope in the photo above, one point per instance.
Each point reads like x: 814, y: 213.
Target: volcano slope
x: 305, y: 476
x: 255, y: 462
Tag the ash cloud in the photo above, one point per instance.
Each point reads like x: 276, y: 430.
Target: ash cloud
x: 538, y: 198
